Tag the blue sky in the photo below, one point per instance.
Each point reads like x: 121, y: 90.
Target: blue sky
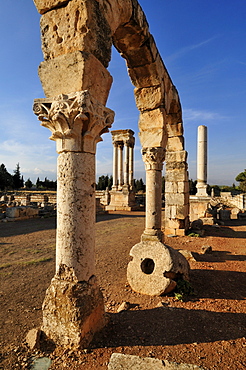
x: 202, y: 43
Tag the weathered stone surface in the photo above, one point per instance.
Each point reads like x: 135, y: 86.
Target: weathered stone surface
x: 135, y: 45
x: 152, y: 126
x: 13, y: 212
x: 147, y: 75
x: 76, y: 120
x: 44, y: 6
x: 116, y: 12
x: 206, y: 249
x: 72, y: 310
x: 177, y: 156
x: 119, y: 361
x: 175, y: 143
x: 149, y: 98
x: 177, y: 199
x: 123, y: 307
x: 154, y: 267
x: 78, y: 26
x: 75, y: 241
x: 75, y: 72
x: 33, y: 338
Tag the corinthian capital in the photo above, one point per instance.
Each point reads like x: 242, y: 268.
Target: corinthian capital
x: 153, y: 158
x: 76, y: 120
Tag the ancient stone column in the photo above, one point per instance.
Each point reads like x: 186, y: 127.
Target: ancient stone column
x: 126, y: 164
x: 121, y: 177
x: 202, y: 161
x: 153, y: 159
x: 73, y: 309
x: 131, y: 165
x: 115, y: 166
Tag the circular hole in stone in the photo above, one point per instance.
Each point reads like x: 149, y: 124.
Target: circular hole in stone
x: 147, y: 266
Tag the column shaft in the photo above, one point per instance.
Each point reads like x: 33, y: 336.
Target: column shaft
x: 115, y: 167
x: 121, y: 179
x: 126, y: 167
x: 202, y: 155
x: 76, y: 214
x: 153, y: 203
x: 131, y: 165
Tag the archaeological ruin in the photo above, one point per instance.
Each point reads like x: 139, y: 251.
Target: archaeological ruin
x: 122, y: 195
x: 77, y: 37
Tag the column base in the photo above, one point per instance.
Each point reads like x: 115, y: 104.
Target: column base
x: 122, y: 200
x: 154, y: 268
x: 201, y: 190
x: 156, y: 236
x: 73, y: 311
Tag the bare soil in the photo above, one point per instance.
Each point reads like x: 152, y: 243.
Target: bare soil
x: 207, y: 329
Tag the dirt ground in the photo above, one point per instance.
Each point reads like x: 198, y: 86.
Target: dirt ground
x: 207, y: 329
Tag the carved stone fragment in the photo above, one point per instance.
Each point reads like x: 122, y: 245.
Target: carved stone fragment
x: 76, y: 121
x: 155, y: 267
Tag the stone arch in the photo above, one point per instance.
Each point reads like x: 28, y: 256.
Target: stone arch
x: 77, y: 37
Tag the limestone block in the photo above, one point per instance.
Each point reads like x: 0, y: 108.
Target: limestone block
x: 152, y: 128
x: 176, y: 165
x: 154, y: 267
x: 175, y: 143
x: 77, y: 71
x: 136, y: 46
x: 44, y: 6
x: 176, y: 175
x: 33, y: 338
x: 182, y: 211
x: 147, y: 75
x: 78, y: 26
x: 171, y: 187
x: 183, y: 187
x: 13, y: 212
x: 170, y: 211
x: 150, y: 97
x: 119, y: 361
x: 72, y: 311
x: 178, y: 156
x: 31, y: 212
x: 178, y: 199
x: 175, y: 129
x: 116, y: 12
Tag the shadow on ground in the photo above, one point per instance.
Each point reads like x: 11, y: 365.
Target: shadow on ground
x: 170, y: 326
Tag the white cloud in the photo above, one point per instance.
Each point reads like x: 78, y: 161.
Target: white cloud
x: 188, y: 48
x: 191, y: 115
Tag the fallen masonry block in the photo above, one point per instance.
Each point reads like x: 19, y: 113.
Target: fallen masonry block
x: 119, y: 361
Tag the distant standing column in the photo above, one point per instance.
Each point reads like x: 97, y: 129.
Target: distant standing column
x: 121, y: 164
x: 126, y: 167
x: 131, y: 164
x: 202, y: 161
x: 115, y: 166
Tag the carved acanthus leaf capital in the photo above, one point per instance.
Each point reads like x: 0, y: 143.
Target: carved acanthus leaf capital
x: 153, y: 158
x: 76, y: 120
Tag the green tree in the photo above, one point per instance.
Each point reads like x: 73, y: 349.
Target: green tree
x: 241, y: 178
x: 104, y: 182
x: 6, y: 179
x: 28, y: 184
x: 192, y: 187
x: 139, y: 185
x: 17, y: 178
